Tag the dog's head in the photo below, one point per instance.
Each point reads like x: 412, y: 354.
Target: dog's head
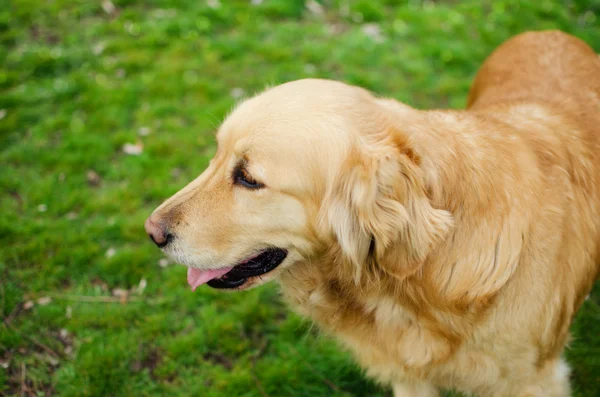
x: 301, y: 168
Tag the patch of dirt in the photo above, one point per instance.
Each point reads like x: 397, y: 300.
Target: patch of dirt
x: 93, y: 179
x: 219, y: 359
x: 17, y: 197
x: 149, y: 358
x: 40, y: 33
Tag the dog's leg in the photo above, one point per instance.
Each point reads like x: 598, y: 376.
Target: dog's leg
x: 415, y: 389
x: 553, y: 383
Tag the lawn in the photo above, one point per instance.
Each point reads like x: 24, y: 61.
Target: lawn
x: 107, y: 108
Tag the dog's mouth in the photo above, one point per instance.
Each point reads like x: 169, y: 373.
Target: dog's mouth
x: 235, y: 276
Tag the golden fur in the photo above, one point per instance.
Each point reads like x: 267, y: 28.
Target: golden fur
x: 445, y: 249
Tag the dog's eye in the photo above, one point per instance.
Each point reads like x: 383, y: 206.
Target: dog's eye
x: 241, y: 177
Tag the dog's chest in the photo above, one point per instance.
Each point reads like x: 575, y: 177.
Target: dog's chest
x: 386, y: 338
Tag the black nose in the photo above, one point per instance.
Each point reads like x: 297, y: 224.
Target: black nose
x: 157, y: 232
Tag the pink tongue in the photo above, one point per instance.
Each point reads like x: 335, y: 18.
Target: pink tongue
x: 197, y: 277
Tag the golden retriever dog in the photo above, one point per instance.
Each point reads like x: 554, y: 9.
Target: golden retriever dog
x: 443, y: 248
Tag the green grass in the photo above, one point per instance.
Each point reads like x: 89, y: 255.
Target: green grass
x: 77, y: 83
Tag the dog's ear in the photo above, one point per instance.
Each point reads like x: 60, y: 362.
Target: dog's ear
x: 379, y: 207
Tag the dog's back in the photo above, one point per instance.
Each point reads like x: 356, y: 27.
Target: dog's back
x: 548, y: 66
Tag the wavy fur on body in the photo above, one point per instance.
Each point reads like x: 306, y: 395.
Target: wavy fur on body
x: 445, y: 249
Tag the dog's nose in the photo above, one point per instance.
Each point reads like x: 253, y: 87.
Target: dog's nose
x: 157, y: 232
